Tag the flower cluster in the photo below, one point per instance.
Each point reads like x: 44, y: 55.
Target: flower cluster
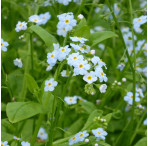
x: 66, y: 23
x: 73, y: 100
x: 78, y: 137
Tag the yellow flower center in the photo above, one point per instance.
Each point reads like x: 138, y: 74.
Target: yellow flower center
x: 52, y: 56
x: 44, y: 17
x: 102, y: 74
x: 81, y: 48
x: 79, y: 37
x: 75, y: 58
x: 99, y: 133
x: 2, y: 145
x: 81, y: 135
x: 139, y: 20
x: 89, y: 77
x: 35, y: 20
x: 67, y: 21
x: 20, y: 25
x: 70, y: 99
x: 2, y: 44
x: 81, y: 66
x: 63, y: 49
x: 49, y: 84
x: 101, y: 60
x: 131, y: 97
x: 41, y: 133
x: 73, y: 138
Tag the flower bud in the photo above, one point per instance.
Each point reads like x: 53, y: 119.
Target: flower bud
x: 123, y: 79
x: 92, y: 52
x: 103, y: 88
x: 80, y: 16
x: 86, y: 140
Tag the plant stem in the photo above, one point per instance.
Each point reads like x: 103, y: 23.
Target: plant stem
x: 31, y: 50
x: 81, y: 7
x: 134, y: 76
x: 120, y: 34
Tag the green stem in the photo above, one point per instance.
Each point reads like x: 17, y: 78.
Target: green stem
x: 120, y: 34
x: 31, y: 50
x: 134, y: 75
x: 40, y: 119
x: 81, y: 7
x: 138, y: 125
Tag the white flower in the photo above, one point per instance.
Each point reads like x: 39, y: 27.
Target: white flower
x: 97, y: 61
x: 119, y: 83
x: 84, y: 48
x: 81, y: 68
x: 18, y: 62
x: 80, y: 16
x: 96, y: 144
x: 125, y: 29
x: 70, y: 100
x: 64, y: 2
x: 140, y: 92
x: 90, y: 77
x: 42, y: 134
x: 145, y: 122
x: 78, y: 39
x: 74, y: 58
x: 99, y: 28
x: 129, y: 98
x: 86, y: 140
x: 103, y: 88
x: 44, y: 18
x: 121, y: 66
x: 99, y: 133
x: 139, y: 44
x: 23, y: 143
x: 49, y: 67
x: 35, y: 18
x: 63, y: 52
x: 50, y: 85
x: 5, y: 143
x: 116, y: 9
x: 92, y: 52
x: 4, y: 45
x: 46, y: 3
x: 66, y: 21
x: 62, y: 32
x: 101, y: 46
x: 21, y: 26
x: 17, y: 138
x: 123, y: 79
x: 137, y: 28
x: 102, y: 76
x: 139, y: 21
x: 65, y: 73
x: 52, y: 57
x: 81, y: 135
x: 73, y: 140
x: 56, y: 46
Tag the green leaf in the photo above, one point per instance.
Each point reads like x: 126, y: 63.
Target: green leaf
x: 108, y: 117
x: 3, y: 107
x: 88, y: 106
x: 31, y: 84
x: 142, y: 142
x: 44, y: 35
x: 6, y: 136
x: 83, y: 31
x: 100, y: 36
x: 81, y: 23
x: 17, y: 111
x: 90, y: 119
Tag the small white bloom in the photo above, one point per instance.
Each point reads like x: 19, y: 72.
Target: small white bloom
x: 116, y: 9
x: 96, y: 144
x: 121, y: 66
x: 44, y: 18
x: 35, y: 18
x: 99, y: 28
x: 74, y: 58
x: 50, y: 84
x: 139, y: 21
x: 62, y: 32
x: 129, y: 98
x: 81, y: 135
x: 4, y: 45
x: 70, y: 100
x: 101, y: 75
x: 86, y: 140
x: 123, y: 79
x: 52, y: 57
x: 42, y: 134
x: 92, y: 52
x: 17, y: 138
x: 23, y: 143
x: 99, y: 133
x: 90, y: 77
x: 119, y: 83
x: 78, y: 39
x: 49, y: 67
x: 97, y: 61
x: 64, y: 2
x: 5, y: 143
x: 63, y: 52
x: 145, y: 122
x: 81, y: 67
x: 21, y: 26
x: 103, y: 88
x: 101, y: 46
x: 65, y: 73
x: 80, y: 16
x: 18, y: 62
x: 140, y: 92
x: 73, y: 140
